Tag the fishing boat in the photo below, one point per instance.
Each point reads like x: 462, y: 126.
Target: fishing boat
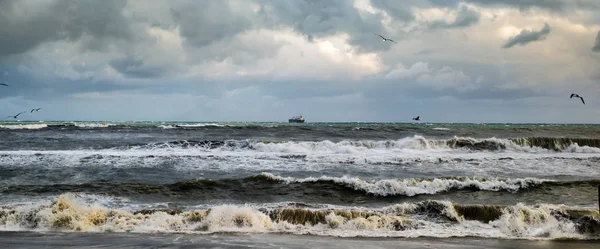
x: 296, y: 119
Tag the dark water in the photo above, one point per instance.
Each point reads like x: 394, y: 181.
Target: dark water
x: 71, y: 240
x: 510, y: 181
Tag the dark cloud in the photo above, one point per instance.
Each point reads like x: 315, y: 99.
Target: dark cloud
x: 322, y: 18
x: 596, y: 47
x: 157, y: 65
x: 464, y: 18
x: 175, y: 14
x: 26, y: 25
x: 204, y: 22
x: 526, y: 36
x: 399, y: 10
x: 524, y: 5
x: 135, y: 68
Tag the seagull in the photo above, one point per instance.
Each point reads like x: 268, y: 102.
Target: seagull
x: 385, y: 39
x: 2, y: 84
x: 15, y: 116
x: 32, y: 110
x: 418, y: 118
x: 577, y: 96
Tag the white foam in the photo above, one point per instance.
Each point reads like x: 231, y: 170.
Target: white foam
x: 93, y: 125
x: 574, y: 148
x: 416, y: 155
x: 412, y: 154
x: 441, y: 129
x: 411, y: 187
x: 70, y: 213
x: 24, y: 126
x: 362, y: 146
x: 200, y: 125
x: 522, y: 221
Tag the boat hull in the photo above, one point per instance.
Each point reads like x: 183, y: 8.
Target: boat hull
x: 295, y: 121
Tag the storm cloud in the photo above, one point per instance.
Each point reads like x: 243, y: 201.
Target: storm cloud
x: 263, y: 60
x: 27, y: 24
x: 464, y: 18
x: 527, y: 36
x: 596, y: 47
x: 552, y: 5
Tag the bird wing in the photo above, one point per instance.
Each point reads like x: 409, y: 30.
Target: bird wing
x: 32, y: 110
x: 380, y: 36
x: 582, y: 100
x: 572, y: 94
x: 3, y: 84
x: 392, y: 41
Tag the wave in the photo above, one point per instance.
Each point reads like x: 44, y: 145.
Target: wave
x: 534, y: 144
x: 199, y: 125
x: 427, y: 218
x: 267, y: 184
x: 412, y: 187
x: 121, y: 125
x: 93, y: 125
x: 558, y: 143
x: 23, y: 126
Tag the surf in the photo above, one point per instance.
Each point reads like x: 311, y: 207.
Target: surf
x: 429, y: 219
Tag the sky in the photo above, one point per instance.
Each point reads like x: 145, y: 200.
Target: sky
x: 267, y: 60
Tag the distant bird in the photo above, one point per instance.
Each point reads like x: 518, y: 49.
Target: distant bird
x: 15, y: 116
x: 35, y: 110
x: 418, y: 118
x: 385, y: 39
x: 2, y: 84
x: 577, y: 96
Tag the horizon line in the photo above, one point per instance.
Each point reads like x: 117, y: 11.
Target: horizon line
x: 283, y: 122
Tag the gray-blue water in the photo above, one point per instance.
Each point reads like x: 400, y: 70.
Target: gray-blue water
x: 509, y: 181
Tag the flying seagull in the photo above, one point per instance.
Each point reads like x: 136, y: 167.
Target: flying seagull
x: 15, y: 116
x: 385, y: 39
x: 418, y: 118
x: 32, y: 110
x: 577, y: 96
x: 2, y: 84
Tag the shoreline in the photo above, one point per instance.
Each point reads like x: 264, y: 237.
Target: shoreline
x: 28, y: 239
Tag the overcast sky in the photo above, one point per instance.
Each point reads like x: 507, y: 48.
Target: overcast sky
x: 261, y: 60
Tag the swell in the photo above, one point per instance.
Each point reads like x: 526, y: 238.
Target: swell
x: 554, y: 143
x: 322, y: 141
x: 266, y: 185
x: 427, y: 218
x: 128, y: 126
x: 415, y: 143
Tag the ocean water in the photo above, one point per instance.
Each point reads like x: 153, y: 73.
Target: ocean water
x: 330, y: 180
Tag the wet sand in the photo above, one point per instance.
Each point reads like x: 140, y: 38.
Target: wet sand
x: 120, y: 240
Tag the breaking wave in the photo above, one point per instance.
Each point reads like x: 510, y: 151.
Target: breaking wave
x: 412, y: 187
x: 410, y: 143
x: 93, y: 125
x: 270, y: 184
x: 23, y: 126
x: 427, y: 218
x: 199, y: 125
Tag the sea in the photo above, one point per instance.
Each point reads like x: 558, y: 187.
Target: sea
x: 311, y: 185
